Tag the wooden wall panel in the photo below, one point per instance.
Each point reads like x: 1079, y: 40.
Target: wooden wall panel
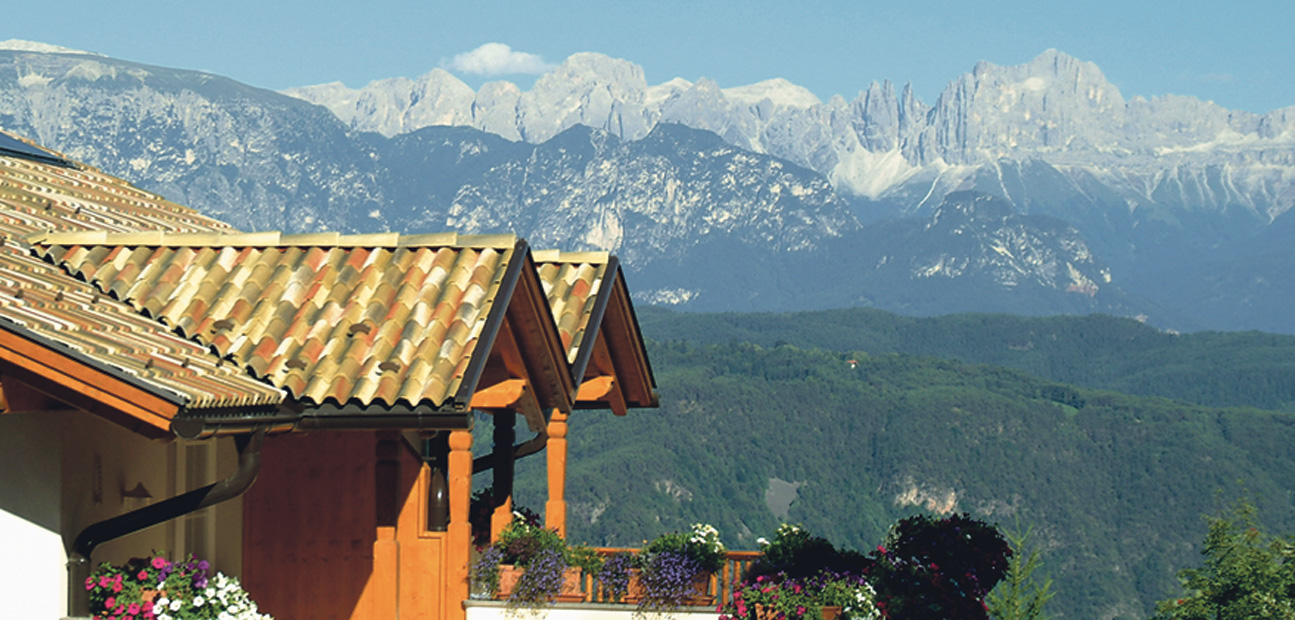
x: 310, y: 525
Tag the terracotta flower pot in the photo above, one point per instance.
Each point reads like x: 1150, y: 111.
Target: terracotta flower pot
x: 830, y: 612
x: 570, y: 592
x: 701, y: 597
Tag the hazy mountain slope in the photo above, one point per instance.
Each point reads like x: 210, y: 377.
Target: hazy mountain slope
x: 251, y: 157
x: 1114, y: 485
x: 1218, y: 369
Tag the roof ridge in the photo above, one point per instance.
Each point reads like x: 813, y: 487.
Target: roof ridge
x: 560, y: 256
x: 271, y: 239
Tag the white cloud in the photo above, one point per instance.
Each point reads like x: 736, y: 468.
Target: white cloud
x: 497, y: 59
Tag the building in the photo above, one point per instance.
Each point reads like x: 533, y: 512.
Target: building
x: 296, y: 408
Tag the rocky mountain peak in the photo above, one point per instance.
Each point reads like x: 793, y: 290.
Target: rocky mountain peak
x: 779, y: 92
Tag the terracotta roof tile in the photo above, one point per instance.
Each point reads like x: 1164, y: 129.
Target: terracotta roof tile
x: 571, y: 282
x: 41, y: 302
x: 368, y: 320
x: 36, y: 196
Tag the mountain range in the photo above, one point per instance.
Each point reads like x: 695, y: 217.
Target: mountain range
x: 1033, y: 189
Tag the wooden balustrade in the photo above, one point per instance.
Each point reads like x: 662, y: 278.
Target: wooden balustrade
x: 735, y: 568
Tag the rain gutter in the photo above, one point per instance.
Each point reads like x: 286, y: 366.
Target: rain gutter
x: 95, y: 534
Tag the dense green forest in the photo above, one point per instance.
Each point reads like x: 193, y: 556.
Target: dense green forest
x: 1219, y: 369
x: 1115, y: 485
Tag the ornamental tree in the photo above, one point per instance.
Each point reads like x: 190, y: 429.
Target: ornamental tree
x: 1246, y: 574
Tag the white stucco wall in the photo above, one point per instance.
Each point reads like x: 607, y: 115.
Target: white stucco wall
x: 32, y: 560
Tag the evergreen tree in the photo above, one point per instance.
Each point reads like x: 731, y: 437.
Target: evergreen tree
x: 1019, y: 596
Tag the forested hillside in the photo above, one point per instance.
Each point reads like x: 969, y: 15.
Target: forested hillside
x: 1209, y: 368
x: 1115, y: 485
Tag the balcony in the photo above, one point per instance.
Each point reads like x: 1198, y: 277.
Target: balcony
x: 597, y: 606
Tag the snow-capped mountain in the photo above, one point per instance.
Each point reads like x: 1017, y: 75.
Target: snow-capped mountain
x: 882, y: 143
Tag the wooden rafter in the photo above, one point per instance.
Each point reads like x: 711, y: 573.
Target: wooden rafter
x: 84, y: 387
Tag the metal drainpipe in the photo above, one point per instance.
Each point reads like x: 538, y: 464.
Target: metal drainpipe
x: 78, y: 564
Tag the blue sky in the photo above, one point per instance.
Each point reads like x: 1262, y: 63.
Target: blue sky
x: 1238, y: 54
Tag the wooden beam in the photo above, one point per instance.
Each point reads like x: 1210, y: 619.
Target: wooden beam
x: 503, y: 395
x: 603, y: 391
x: 18, y: 397
x: 85, y: 387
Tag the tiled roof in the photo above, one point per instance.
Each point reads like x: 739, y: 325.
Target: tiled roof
x: 595, y: 319
x: 571, y: 282
x: 383, y: 320
x: 40, y: 302
x: 37, y: 196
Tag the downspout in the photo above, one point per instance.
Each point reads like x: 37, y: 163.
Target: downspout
x: 78, y: 565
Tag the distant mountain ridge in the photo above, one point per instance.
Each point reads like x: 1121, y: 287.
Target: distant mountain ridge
x: 724, y: 199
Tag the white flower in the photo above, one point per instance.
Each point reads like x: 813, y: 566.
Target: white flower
x: 762, y: 541
x: 162, y: 601
x: 198, y: 601
x: 210, y: 592
x: 176, y: 604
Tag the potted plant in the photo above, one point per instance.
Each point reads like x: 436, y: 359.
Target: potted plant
x: 154, y: 588
x: 530, y: 566
x: 674, y: 569
x: 614, y: 576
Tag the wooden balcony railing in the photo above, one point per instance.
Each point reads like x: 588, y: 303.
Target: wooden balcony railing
x: 721, y: 583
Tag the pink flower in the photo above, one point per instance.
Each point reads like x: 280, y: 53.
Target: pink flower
x: 133, y: 609
x: 110, y: 603
x: 159, y: 562
x: 147, y: 606
x: 116, y: 587
x: 104, y: 581
x: 89, y: 583
x: 142, y: 576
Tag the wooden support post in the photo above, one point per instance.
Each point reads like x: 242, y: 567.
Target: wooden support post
x: 459, y: 531
x: 555, y: 510
x: 383, y: 597
x: 505, y: 436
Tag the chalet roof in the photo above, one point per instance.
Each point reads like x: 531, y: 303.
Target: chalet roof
x: 595, y: 319
x: 385, y: 320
